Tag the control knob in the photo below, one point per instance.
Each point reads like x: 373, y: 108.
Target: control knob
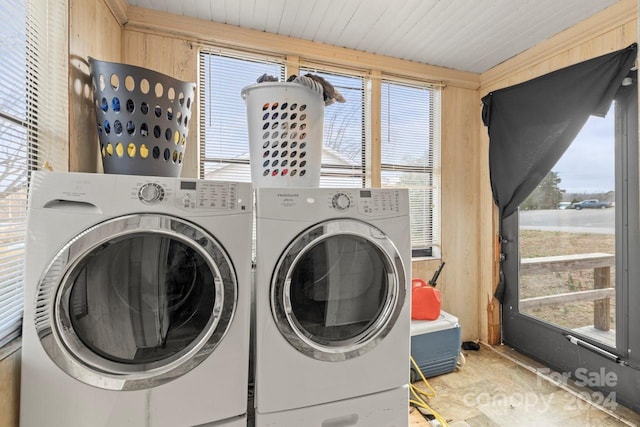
x: 151, y: 193
x: 341, y: 201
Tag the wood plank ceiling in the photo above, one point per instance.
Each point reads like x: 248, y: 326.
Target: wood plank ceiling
x: 466, y: 35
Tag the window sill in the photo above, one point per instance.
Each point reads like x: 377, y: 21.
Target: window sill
x: 426, y: 258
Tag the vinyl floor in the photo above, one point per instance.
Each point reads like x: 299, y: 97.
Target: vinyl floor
x: 497, y: 386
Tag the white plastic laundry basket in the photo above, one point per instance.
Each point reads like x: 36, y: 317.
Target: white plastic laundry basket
x: 285, y: 123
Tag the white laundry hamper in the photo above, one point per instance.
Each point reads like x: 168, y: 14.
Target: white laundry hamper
x: 285, y: 122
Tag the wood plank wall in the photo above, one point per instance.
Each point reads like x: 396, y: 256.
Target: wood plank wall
x: 461, y: 195
x: 10, y: 385
x: 93, y: 31
x: 174, y: 57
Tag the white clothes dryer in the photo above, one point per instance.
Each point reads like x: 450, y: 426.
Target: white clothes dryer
x: 332, y: 316
x: 137, y: 301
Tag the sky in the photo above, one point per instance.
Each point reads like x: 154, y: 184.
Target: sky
x: 588, y: 165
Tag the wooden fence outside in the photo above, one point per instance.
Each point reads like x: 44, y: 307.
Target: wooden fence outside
x: 601, y: 293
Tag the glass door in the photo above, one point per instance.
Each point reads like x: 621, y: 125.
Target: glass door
x: 567, y: 238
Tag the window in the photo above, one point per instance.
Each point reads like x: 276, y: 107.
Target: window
x: 410, y: 156
x: 343, y: 163
x: 410, y: 134
x: 224, y: 148
x: 33, y: 112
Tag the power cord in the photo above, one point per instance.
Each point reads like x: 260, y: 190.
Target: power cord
x: 421, y: 403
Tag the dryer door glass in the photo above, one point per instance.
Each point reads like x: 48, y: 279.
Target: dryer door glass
x: 338, y: 290
x: 137, y: 301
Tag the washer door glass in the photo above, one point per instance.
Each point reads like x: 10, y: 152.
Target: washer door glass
x: 138, y: 301
x: 338, y: 290
x: 141, y: 298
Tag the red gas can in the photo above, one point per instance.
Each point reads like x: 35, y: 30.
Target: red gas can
x: 425, y: 301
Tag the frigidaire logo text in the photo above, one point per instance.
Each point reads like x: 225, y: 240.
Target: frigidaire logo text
x: 288, y: 195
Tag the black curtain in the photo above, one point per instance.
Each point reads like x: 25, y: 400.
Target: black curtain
x: 532, y: 124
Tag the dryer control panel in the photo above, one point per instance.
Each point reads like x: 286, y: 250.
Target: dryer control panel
x: 378, y: 202
x: 309, y: 203
x: 370, y: 202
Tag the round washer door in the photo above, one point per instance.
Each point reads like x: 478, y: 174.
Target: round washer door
x: 338, y: 290
x: 135, y: 301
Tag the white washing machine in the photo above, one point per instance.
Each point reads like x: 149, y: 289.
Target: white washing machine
x: 332, y: 316
x: 137, y: 301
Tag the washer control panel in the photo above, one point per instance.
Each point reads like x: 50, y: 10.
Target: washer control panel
x: 189, y: 194
x: 207, y: 195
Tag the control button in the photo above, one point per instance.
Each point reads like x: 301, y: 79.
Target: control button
x: 341, y: 201
x: 151, y: 193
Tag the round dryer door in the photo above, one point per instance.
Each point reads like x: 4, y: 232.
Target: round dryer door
x: 338, y: 289
x: 135, y: 301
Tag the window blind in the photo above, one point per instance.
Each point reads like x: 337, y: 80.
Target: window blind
x: 410, y: 156
x: 224, y: 147
x: 343, y: 152
x: 33, y: 126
